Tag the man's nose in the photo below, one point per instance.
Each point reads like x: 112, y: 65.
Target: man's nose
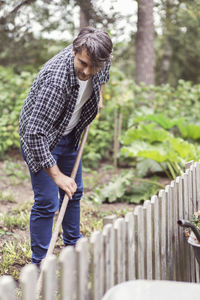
x: 87, y: 71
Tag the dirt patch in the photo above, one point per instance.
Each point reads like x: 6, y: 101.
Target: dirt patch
x: 16, y: 198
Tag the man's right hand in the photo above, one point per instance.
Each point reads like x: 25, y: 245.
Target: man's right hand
x: 64, y: 182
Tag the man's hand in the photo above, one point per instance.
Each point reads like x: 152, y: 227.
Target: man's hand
x: 64, y: 182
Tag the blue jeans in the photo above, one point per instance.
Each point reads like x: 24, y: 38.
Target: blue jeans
x: 48, y: 198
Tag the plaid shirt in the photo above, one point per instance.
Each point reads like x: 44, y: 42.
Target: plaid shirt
x: 49, y: 106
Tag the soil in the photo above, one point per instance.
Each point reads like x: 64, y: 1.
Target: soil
x: 16, y: 191
x: 19, y: 187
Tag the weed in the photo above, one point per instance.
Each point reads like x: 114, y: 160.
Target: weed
x: 17, y: 172
x: 4, y: 231
x: 19, y: 220
x: 6, y: 197
x: 90, y: 179
x: 92, y: 218
x: 24, y: 207
x: 14, y: 255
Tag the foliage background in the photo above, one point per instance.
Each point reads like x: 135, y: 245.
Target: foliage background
x: 152, y: 130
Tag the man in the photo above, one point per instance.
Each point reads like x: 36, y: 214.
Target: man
x: 63, y: 100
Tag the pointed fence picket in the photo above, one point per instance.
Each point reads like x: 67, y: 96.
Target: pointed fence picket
x: 67, y: 265
x: 28, y: 282
x: 119, y: 237
x: 149, y: 239
x: 146, y: 244
x: 108, y: 252
x: 96, y: 266
x: 7, y: 288
x: 130, y: 247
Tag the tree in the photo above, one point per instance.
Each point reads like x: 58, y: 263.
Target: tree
x: 180, y: 41
x: 91, y: 14
x: 145, y: 43
x: 18, y: 43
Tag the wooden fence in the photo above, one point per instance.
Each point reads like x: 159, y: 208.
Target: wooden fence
x: 146, y: 244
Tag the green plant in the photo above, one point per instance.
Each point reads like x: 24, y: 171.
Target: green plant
x: 196, y: 219
x: 6, y: 197
x: 152, y: 142
x: 16, y: 172
x: 19, y: 220
x: 125, y: 188
x: 92, y: 217
x: 13, y: 91
x: 14, y: 255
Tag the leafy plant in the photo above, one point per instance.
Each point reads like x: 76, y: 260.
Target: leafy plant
x: 16, y: 172
x: 6, y: 197
x: 14, y: 255
x: 13, y: 91
x: 157, y: 144
x: 19, y: 220
x: 125, y: 188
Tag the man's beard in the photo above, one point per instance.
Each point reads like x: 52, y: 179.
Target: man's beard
x: 81, y: 75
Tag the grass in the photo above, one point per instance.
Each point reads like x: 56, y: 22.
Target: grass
x: 7, y: 197
x: 16, y: 172
x: 19, y: 220
x: 92, y: 217
x: 23, y: 207
x: 14, y: 255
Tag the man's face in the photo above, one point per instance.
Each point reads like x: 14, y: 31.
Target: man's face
x: 83, y: 66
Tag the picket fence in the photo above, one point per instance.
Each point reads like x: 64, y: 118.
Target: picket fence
x: 146, y: 244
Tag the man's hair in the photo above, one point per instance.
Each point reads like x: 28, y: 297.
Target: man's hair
x: 96, y: 42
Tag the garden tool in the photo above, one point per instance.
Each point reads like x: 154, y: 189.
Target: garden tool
x: 63, y: 207
x: 188, y: 224
x: 195, y: 246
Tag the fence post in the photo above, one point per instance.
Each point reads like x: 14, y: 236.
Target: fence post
x: 109, y: 256
x: 180, y: 249
x: 28, y: 282
x: 170, y: 233
x: 195, y: 196
x: 156, y: 228
x: 186, y: 216
x: 96, y: 266
x: 130, y: 246
x: 141, y: 241
x: 49, y: 280
x: 194, y: 187
x: 119, y: 233
x: 174, y: 229
x: 191, y: 211
x: 149, y: 239
x: 82, y: 258
x: 163, y: 230
x: 7, y: 288
x: 109, y: 219
x: 198, y: 185
x: 67, y: 268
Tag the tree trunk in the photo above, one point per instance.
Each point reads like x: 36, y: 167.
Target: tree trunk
x: 84, y: 22
x: 145, y: 43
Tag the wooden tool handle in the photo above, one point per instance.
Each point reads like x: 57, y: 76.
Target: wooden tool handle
x: 66, y: 199
x: 63, y: 207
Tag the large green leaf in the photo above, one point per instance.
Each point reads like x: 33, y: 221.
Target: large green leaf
x: 160, y: 119
x: 145, y: 166
x: 161, y: 152
x: 188, y: 130
x: 184, y: 149
x: 145, y: 132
